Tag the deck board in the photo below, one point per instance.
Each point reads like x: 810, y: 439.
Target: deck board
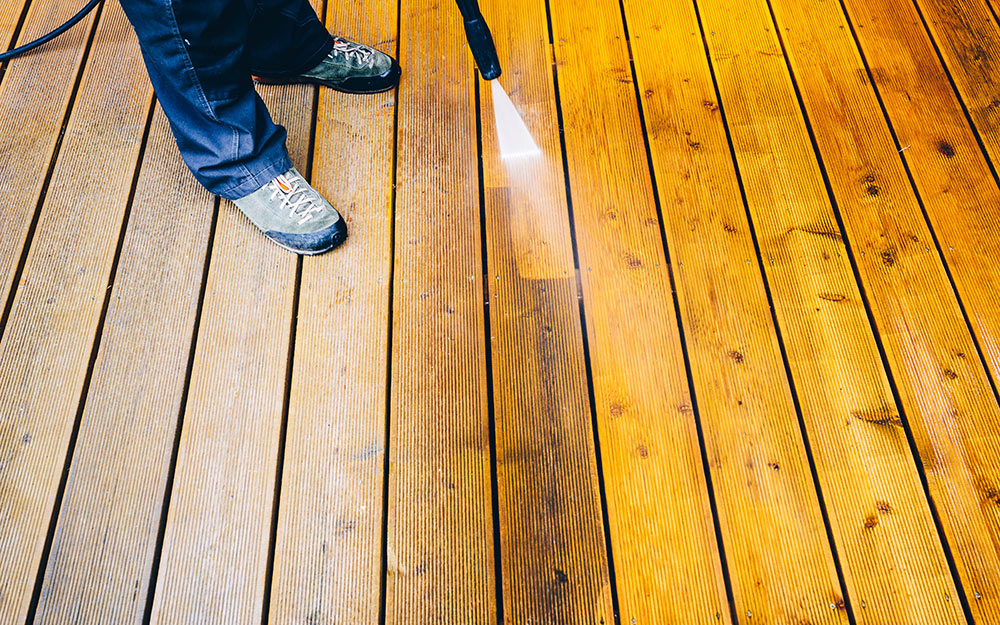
x: 328, y: 557
x: 756, y: 451
x: 555, y: 567
x: 944, y: 390
x: 122, y: 458
x: 439, y: 535
x: 891, y: 556
x: 46, y: 348
x: 217, y: 539
x: 491, y: 405
x: 35, y: 95
x: 667, y: 563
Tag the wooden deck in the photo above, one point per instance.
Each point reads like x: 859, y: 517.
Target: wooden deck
x: 728, y: 352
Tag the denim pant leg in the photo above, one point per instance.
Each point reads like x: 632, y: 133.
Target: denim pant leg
x: 195, y: 52
x: 285, y: 37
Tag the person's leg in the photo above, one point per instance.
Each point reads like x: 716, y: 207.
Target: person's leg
x: 285, y: 37
x: 195, y: 53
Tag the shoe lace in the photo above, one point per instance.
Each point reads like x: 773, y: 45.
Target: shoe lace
x: 351, y: 50
x: 300, y: 200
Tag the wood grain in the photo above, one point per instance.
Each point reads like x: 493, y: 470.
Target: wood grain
x: 439, y: 552
x: 781, y: 565
x: 114, y: 492
x: 217, y: 538
x: 894, y: 566
x: 10, y: 15
x: 46, y: 348
x: 667, y: 559
x: 329, y: 544
x: 551, y: 526
x: 944, y: 391
x: 34, y: 97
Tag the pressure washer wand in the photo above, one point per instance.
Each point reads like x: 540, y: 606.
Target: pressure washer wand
x: 480, y: 39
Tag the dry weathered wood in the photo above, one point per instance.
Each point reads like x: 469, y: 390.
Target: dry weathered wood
x: 944, y: 390
x: 440, y: 528
x: 217, y: 538
x: 327, y: 565
x: 46, y: 348
x: 892, y: 559
x: 781, y: 566
x: 667, y: 561
x: 34, y: 95
x: 553, y: 554
x: 10, y: 14
x: 116, y: 483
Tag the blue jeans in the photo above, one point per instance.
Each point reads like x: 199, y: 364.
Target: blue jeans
x: 200, y: 55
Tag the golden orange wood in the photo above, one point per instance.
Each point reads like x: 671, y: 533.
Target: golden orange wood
x: 439, y: 554
x: 34, y: 96
x: 47, y: 345
x: 781, y: 566
x: 663, y: 538
x: 10, y: 14
x: 328, y: 565
x: 114, y: 493
x: 217, y: 538
x: 551, y: 527
x: 894, y: 565
x: 944, y: 391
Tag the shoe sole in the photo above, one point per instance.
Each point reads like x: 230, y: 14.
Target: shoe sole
x: 394, y: 73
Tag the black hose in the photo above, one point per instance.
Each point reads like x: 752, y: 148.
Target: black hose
x: 52, y: 35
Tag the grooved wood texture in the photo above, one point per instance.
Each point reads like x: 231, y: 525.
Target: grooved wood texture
x: 34, y: 96
x: 114, y: 492
x: 782, y: 568
x: 439, y: 551
x: 551, y: 527
x: 47, y: 344
x: 217, y: 537
x: 944, y: 390
x: 667, y: 562
x: 895, y: 568
x: 10, y: 14
x: 328, y: 559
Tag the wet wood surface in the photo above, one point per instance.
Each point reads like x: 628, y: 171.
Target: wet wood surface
x: 725, y: 350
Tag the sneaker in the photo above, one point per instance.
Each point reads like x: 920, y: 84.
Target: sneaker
x: 294, y: 215
x: 350, y: 67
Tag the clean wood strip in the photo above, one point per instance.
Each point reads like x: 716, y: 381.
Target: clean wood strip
x: 328, y: 557
x: 553, y: 554
x: 46, y: 349
x: 894, y: 565
x: 667, y: 561
x: 780, y: 563
x: 217, y: 538
x: 960, y: 195
x: 944, y: 390
x: 440, y: 528
x: 34, y: 95
x: 122, y: 458
x: 10, y: 14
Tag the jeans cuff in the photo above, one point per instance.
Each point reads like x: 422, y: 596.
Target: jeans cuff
x: 307, y: 64
x: 258, y: 175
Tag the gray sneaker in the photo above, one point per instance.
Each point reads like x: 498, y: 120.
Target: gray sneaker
x: 349, y: 67
x: 294, y: 215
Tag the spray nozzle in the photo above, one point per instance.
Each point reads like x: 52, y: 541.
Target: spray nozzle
x: 480, y: 39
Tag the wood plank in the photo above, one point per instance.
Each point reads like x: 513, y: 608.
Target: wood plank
x: 216, y: 543
x: 45, y: 352
x: 781, y: 565
x: 327, y: 565
x: 894, y: 566
x: 10, y: 15
x: 554, y: 559
x: 944, y: 391
x: 439, y: 527
x: 34, y: 96
x: 114, y: 492
x: 667, y: 560
x: 960, y: 195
